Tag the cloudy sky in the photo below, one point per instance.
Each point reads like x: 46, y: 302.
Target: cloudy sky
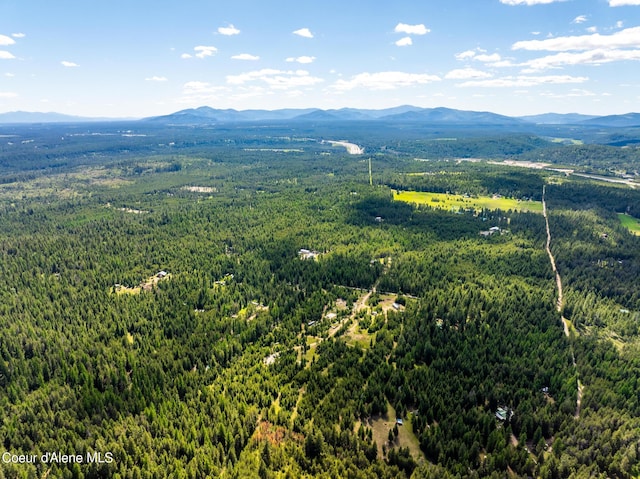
x: 139, y: 58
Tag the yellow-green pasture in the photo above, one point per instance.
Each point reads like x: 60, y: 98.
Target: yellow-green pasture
x: 631, y: 223
x: 451, y: 202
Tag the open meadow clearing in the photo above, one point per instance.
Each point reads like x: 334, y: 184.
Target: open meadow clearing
x: 451, y: 202
x: 631, y: 223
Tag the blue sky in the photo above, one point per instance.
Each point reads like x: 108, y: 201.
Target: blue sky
x: 139, y: 58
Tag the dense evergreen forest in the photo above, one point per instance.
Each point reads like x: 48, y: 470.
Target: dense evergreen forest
x: 242, y: 302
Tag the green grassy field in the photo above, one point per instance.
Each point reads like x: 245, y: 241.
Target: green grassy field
x: 455, y: 202
x: 631, y: 223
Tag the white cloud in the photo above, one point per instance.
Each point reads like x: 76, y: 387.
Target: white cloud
x: 494, y: 57
x: 479, y: 55
x: 384, y: 81
x: 466, y: 55
x: 8, y: 94
x: 202, y: 51
x: 5, y: 40
x: 619, y: 24
x: 4, y: 55
x: 591, y: 57
x: 629, y: 37
x: 9, y: 75
x: 245, y: 56
x: 156, y: 78
x: 303, y: 59
x: 580, y: 19
x: 580, y: 92
x: 419, y: 29
x: 196, y: 85
x: 303, y: 32
x: 467, y: 74
x: 18, y: 35
x: 528, y: 2
x: 620, y: 3
x: 276, y: 79
x: 404, y: 42
x: 228, y: 30
x: 524, y: 81
x: 67, y: 64
x: 592, y: 29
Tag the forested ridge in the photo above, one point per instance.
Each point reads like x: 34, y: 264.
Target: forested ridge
x: 243, y: 304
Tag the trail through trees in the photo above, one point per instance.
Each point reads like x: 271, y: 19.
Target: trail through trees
x: 560, y: 302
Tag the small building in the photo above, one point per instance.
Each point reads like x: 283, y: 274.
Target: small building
x: 399, y: 421
x: 504, y: 413
x: 379, y: 219
x: 304, y: 253
x: 161, y: 274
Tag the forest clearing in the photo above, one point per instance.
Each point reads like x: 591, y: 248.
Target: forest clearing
x: 629, y: 222
x: 453, y: 202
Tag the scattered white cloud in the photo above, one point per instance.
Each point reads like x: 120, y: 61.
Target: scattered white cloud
x: 574, y: 92
x: 303, y: 32
x: 195, y: 85
x: 592, y: 29
x: 404, y: 42
x: 9, y: 75
x: 619, y: 24
x: 528, y: 2
x: 629, y: 37
x: 580, y: 92
x: 480, y: 56
x: 18, y: 35
x: 536, y: 33
x: 156, y: 78
x: 245, y: 56
x: 5, y: 40
x: 276, y: 79
x: 8, y: 94
x: 466, y: 55
x: 228, y: 30
x: 5, y: 55
x: 202, y: 51
x: 68, y: 64
x: 494, y: 57
x: 201, y: 87
x: 523, y: 81
x: 591, y: 57
x: 384, y: 81
x: 419, y: 29
x: 303, y: 59
x: 580, y: 19
x: 621, y: 3
x: 467, y: 74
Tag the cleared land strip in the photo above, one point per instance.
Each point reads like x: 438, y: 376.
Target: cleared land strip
x: 560, y: 302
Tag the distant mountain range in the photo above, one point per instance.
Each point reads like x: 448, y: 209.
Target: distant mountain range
x: 205, y: 115
x: 406, y: 113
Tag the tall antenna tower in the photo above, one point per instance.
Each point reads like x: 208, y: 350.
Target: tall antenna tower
x: 370, y: 177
